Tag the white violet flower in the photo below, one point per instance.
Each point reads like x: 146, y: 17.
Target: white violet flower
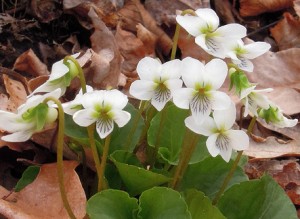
x: 241, y: 54
x: 60, y: 77
x: 221, y: 138
x: 253, y: 100
x: 73, y: 106
x: 275, y: 116
x: 208, y: 35
x: 201, y: 83
x: 105, y: 108
x: 31, y: 117
x: 157, y: 81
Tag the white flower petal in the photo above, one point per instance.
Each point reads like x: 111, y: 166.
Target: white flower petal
x: 148, y: 68
x: 223, y: 144
x: 215, y: 73
x: 90, y: 99
x: 209, y: 16
x: 173, y: 84
x: 12, y: 122
x: 256, y: 49
x: 104, y: 127
x: 236, y: 31
x: 182, y: 97
x: 160, y: 98
x: 171, y: 69
x: 192, y: 24
x: 192, y: 71
x: 214, y: 46
x: 84, y: 117
x: 201, y: 41
x: 201, y: 106
x: 58, y: 70
x: 239, y: 140
x: 261, y: 100
x: 116, y: 99
x: 246, y: 92
x: 142, y: 90
x: 211, y: 145
x: 19, y: 136
x: 244, y: 64
x: 286, y: 123
x: 226, y: 154
x: 207, y: 127
x: 225, y: 118
x: 220, y: 100
x: 233, y: 56
x: 120, y: 117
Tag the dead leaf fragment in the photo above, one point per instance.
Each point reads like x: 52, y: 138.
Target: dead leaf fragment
x: 28, y: 62
x: 297, y: 7
x: 287, y: 32
x: 256, y: 7
x: 41, y: 198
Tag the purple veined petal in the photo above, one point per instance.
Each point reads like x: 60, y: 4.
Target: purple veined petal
x: 244, y: 64
x: 209, y: 16
x: 200, y: 40
x: 223, y: 144
x: 201, y: 106
x: 192, y: 72
x: 161, y: 97
x: 104, y: 127
x: 148, y: 68
x: 211, y: 145
x: 120, y: 117
x: 225, y: 118
x: 207, y: 127
x: 213, y: 46
x: 85, y: 117
x: 235, y: 31
x: 182, y: 97
x: 256, y: 49
x: 171, y: 69
x: 215, y: 73
x: 220, y: 100
x: 20, y: 136
x: 142, y: 89
x: 192, y: 24
x: 116, y: 99
x: 239, y: 140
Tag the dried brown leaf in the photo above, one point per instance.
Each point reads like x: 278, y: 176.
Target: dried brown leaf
x: 41, y: 198
x: 134, y: 13
x: 28, y: 62
x: 297, y: 7
x: 256, y: 7
x: 105, y: 68
x: 287, y: 32
x: 45, y: 11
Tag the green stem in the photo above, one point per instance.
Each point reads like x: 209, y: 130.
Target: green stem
x: 176, y: 34
x: 233, y: 167
x: 189, y: 144
x: 135, y: 124
x: 103, y: 162
x: 80, y: 72
x: 149, y: 117
x: 153, y: 154
x: 60, y: 165
x: 91, y: 131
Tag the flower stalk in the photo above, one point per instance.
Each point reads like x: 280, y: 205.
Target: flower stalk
x: 188, y: 147
x: 60, y: 142
x: 233, y: 167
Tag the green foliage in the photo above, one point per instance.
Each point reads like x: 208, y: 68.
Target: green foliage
x: 28, y: 176
x: 170, y: 136
x: 262, y: 198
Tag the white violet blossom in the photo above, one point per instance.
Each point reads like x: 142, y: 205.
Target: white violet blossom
x: 275, y: 116
x: 253, y: 100
x: 157, y: 81
x: 105, y: 108
x: 221, y: 138
x: 202, y: 82
x: 208, y: 35
x: 31, y: 117
x: 60, y: 77
x: 241, y: 54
